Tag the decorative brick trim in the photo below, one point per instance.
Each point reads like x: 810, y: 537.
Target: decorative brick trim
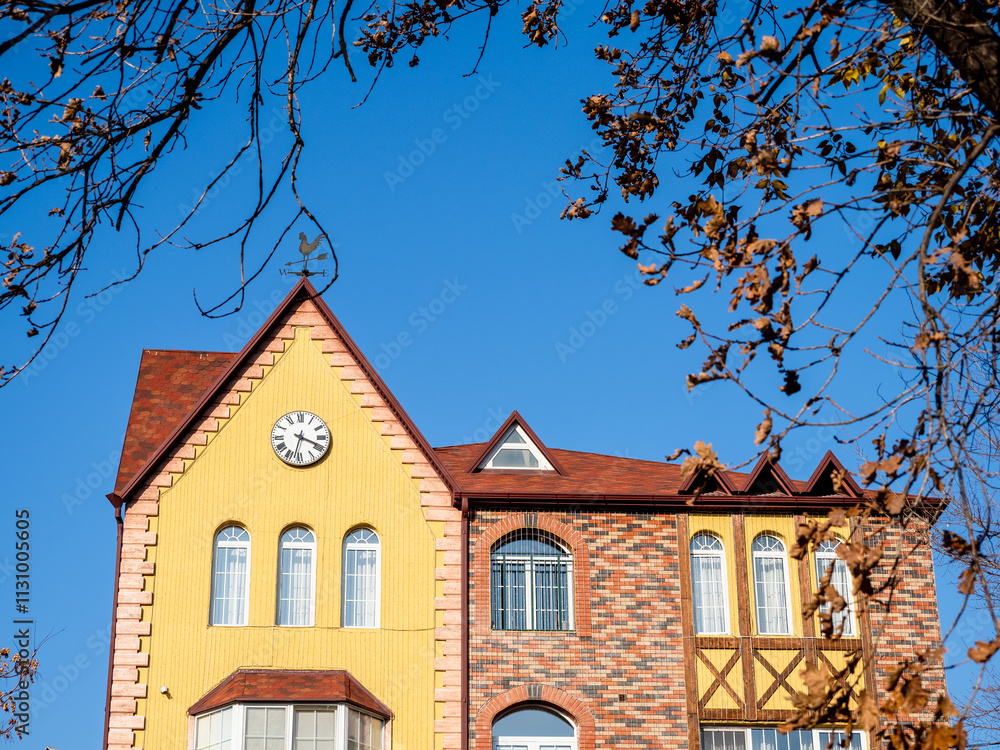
x: 139, y: 543
x: 544, y: 522
x: 536, y: 694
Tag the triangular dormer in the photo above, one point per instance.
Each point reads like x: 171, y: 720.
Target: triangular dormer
x: 767, y: 478
x: 515, y: 447
x: 822, y: 484
x: 701, y: 483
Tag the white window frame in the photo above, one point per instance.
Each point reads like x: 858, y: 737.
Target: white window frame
x: 298, y: 544
x: 721, y: 555
x: 534, y: 743
x: 828, y: 555
x: 230, y: 544
x: 237, y: 725
x: 772, y: 554
x: 359, y: 546
x: 565, y: 558
x: 528, y: 444
x: 814, y: 733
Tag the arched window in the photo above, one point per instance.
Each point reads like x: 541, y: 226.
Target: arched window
x: 296, y: 577
x: 533, y: 728
x: 708, y: 585
x: 826, y: 558
x: 531, y: 574
x: 361, y: 580
x: 231, y: 576
x: 771, y: 592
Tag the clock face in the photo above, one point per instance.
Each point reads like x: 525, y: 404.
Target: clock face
x: 300, y: 438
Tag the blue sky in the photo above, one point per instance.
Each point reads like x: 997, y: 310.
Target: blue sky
x: 439, y: 195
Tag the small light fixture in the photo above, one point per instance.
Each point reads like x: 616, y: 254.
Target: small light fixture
x: 164, y: 689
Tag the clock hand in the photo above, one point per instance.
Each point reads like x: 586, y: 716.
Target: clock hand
x: 318, y: 445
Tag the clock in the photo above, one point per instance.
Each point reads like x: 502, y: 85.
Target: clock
x: 300, y: 438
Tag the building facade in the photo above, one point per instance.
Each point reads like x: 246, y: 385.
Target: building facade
x: 298, y: 568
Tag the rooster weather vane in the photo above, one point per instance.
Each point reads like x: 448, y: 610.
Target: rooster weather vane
x: 306, y: 248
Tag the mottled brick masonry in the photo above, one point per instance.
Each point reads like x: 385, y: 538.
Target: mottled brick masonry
x: 904, y: 615
x: 623, y: 684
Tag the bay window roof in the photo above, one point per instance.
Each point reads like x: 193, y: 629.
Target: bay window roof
x: 290, y: 686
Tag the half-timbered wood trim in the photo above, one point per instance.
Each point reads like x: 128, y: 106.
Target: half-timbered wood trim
x: 687, y: 633
x: 720, y: 679
x: 743, y: 617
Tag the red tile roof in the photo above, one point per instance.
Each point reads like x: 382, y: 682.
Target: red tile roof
x: 170, y: 383
x: 585, y: 474
x: 167, y: 388
x: 290, y: 686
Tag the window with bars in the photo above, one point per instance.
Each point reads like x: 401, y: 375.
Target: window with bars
x: 296, y: 577
x: 360, y: 585
x: 708, y: 584
x: 840, y: 579
x: 531, y: 582
x: 769, y: 738
x: 285, y: 727
x: 230, y: 576
x: 772, y: 594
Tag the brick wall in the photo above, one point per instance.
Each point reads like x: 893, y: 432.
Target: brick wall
x: 904, y: 614
x: 620, y: 674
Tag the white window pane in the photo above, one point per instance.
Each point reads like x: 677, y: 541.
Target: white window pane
x: 296, y: 578
x: 770, y: 581
x: 229, y: 576
x: 360, y: 583
x: 325, y: 724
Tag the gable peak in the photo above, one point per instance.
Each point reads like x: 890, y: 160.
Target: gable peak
x: 831, y: 478
x: 515, y: 447
x: 768, y: 478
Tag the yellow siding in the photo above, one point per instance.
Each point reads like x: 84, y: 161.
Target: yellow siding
x: 784, y: 528
x: 722, y: 527
x: 237, y: 478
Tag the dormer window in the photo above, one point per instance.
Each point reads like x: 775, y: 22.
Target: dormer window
x: 516, y: 452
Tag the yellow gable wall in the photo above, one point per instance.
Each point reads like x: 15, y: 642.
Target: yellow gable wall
x: 237, y: 478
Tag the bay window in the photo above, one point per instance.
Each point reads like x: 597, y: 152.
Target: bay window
x: 289, y: 727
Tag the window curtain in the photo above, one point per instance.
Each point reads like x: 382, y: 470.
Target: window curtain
x: 510, y: 611
x: 551, y: 596
x: 771, y: 592
x: 360, y: 587
x: 230, y: 586
x: 708, y: 589
x: 841, y: 581
x: 296, y: 587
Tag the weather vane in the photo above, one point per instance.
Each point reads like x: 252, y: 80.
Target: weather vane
x: 306, y: 248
